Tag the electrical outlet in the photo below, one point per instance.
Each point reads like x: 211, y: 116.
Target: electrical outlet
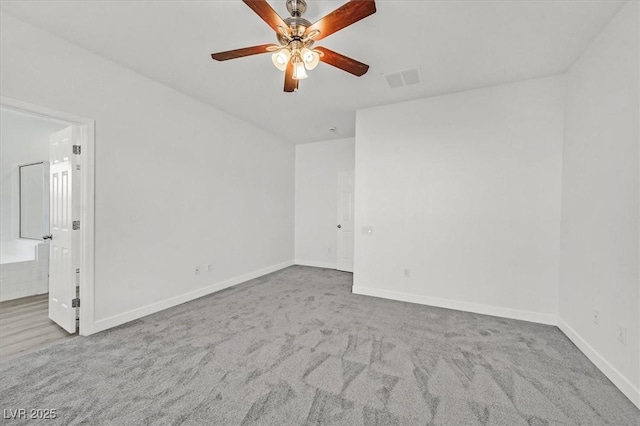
x: 196, y: 270
x: 406, y: 272
x: 210, y: 267
x: 596, y: 316
x: 622, y: 334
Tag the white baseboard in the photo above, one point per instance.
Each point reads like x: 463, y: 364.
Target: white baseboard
x: 134, y: 314
x: 477, y: 308
x: 316, y: 264
x: 621, y: 382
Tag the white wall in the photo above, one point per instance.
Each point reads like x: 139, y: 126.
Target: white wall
x: 24, y: 139
x: 600, y: 209
x: 463, y: 190
x: 178, y: 183
x: 317, y: 168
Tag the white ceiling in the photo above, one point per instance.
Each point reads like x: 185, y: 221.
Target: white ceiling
x: 459, y: 45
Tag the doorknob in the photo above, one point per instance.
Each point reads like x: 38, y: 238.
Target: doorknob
x: 339, y: 226
x: 47, y: 237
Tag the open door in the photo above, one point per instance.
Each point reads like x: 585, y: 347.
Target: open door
x: 64, y: 239
x: 345, y: 221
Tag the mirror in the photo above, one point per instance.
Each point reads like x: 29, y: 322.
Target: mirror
x: 34, y: 200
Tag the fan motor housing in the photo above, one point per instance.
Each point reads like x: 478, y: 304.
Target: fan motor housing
x: 297, y: 25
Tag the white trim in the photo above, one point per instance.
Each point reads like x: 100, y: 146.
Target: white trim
x: 496, y: 311
x: 316, y: 264
x: 134, y: 314
x: 618, y: 379
x: 87, y: 200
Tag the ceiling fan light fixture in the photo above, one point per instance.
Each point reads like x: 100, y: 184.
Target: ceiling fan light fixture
x: 281, y: 58
x: 299, y: 72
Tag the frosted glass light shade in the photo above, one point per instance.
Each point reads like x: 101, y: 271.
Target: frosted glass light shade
x: 298, y: 71
x: 281, y: 58
x: 310, y: 58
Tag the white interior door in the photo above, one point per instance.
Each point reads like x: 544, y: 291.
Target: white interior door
x: 345, y: 221
x: 64, y: 209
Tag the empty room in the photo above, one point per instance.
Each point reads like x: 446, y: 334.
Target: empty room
x: 297, y: 212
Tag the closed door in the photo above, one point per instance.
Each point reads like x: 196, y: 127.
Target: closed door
x: 345, y: 221
x: 64, y: 209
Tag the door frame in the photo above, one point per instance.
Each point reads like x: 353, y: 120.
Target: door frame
x: 87, y: 202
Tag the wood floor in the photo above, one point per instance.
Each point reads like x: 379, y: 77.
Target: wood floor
x: 25, y: 326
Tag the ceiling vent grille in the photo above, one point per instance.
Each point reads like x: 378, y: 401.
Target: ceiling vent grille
x: 407, y: 77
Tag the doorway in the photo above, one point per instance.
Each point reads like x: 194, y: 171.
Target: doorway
x: 69, y: 169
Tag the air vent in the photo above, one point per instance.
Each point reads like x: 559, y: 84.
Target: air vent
x: 394, y: 80
x: 403, y: 78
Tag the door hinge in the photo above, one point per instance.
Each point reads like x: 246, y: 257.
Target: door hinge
x: 75, y: 303
x: 76, y: 149
x: 76, y: 225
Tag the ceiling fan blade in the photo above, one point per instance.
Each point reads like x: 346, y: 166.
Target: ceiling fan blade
x: 342, y: 17
x: 290, y: 84
x: 266, y: 12
x: 343, y: 62
x: 239, y: 53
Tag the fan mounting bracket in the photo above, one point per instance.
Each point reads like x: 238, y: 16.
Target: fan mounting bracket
x: 296, y: 7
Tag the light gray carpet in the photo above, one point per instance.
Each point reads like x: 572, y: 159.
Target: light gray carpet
x: 296, y: 347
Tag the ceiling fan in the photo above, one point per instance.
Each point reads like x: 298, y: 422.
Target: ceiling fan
x: 296, y: 36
